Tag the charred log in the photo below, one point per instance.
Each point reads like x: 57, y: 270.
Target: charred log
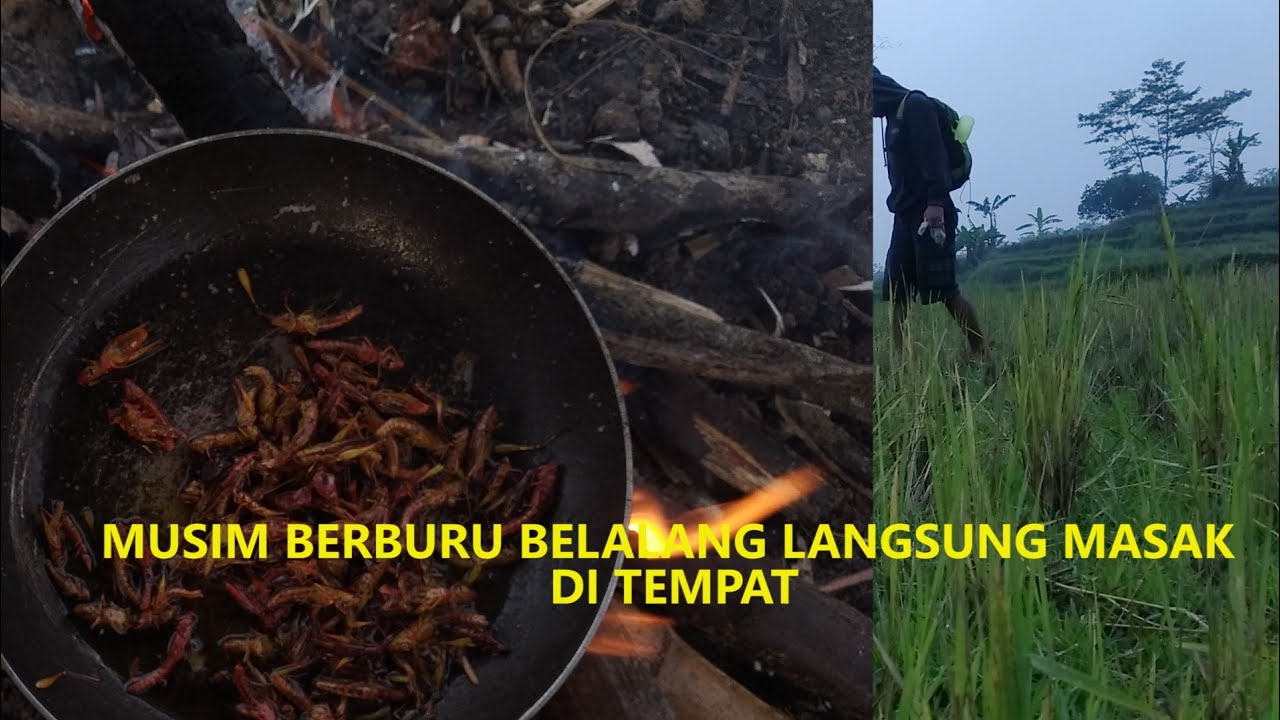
x: 677, y: 336
x: 194, y: 55
x: 725, y: 435
x: 623, y: 197
x: 816, y: 644
x: 71, y: 128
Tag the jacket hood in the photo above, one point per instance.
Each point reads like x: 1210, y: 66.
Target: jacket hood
x: 886, y: 94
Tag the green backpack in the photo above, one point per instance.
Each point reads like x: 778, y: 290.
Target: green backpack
x: 955, y: 133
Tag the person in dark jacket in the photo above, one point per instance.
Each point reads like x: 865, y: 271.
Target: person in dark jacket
x: 918, y: 265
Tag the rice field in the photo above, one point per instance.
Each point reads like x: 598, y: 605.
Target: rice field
x: 1141, y: 401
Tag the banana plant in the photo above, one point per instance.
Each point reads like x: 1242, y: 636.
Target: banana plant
x: 978, y: 241
x: 989, y: 206
x: 1235, y: 147
x: 1039, y: 221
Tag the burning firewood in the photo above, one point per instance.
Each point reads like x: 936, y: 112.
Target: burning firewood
x: 725, y: 436
x: 639, y: 664
x: 815, y: 643
x: 615, y: 679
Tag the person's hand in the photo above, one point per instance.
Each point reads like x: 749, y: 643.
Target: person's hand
x: 934, y: 216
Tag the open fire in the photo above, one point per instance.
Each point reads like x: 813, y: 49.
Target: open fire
x: 630, y: 632
x: 712, y: 525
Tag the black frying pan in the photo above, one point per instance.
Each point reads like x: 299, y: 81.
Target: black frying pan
x: 330, y: 221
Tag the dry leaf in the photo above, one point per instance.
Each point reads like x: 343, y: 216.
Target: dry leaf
x: 641, y: 150
x: 864, y: 286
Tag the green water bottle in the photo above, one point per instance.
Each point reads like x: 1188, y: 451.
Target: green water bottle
x: 964, y: 126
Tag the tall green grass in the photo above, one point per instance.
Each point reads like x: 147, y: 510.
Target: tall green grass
x: 1054, y: 337
x: 1107, y: 400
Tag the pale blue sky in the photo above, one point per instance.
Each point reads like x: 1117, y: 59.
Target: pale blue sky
x: 1024, y: 70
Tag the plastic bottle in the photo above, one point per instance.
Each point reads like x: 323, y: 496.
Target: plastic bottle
x: 964, y: 126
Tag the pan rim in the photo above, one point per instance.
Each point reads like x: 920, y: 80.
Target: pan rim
x: 624, y: 424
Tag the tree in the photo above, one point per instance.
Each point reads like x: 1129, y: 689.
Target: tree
x: 1039, y: 221
x: 989, y: 206
x: 884, y: 43
x: 1120, y: 195
x: 1266, y: 177
x: 1166, y: 107
x: 1115, y: 124
x: 1206, y: 119
x: 1153, y: 121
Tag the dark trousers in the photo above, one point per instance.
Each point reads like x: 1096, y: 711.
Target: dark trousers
x: 917, y: 267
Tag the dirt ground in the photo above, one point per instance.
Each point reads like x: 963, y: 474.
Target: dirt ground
x: 645, y: 71
x: 631, y: 75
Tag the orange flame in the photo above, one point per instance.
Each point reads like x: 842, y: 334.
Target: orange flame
x: 627, y: 387
x: 648, y: 522
x: 786, y: 489
x: 653, y: 528
x: 628, y: 632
